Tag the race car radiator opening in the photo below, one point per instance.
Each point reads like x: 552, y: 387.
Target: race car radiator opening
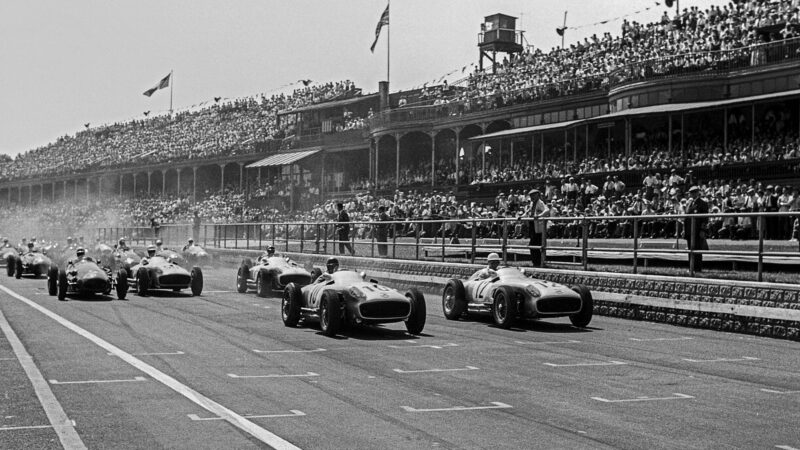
x: 94, y: 285
x: 558, y: 305
x: 384, y: 310
x: 175, y: 280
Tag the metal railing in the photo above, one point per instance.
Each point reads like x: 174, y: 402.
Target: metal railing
x: 469, y: 240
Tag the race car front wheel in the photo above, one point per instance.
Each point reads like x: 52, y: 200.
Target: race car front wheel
x: 330, y: 318
x: 62, y: 284
x: 454, y: 302
x: 504, y: 309
x: 262, y: 283
x: 416, y: 319
x: 52, y: 281
x: 11, y: 264
x: 197, y: 281
x: 290, y: 305
x: 582, y: 318
x: 241, y: 278
x: 122, y: 284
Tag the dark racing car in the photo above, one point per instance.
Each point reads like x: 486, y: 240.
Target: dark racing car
x: 508, y: 294
x: 270, y: 273
x: 33, y: 262
x: 86, y: 278
x: 345, y: 297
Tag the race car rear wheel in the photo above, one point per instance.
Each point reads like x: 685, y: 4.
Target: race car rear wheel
x: 52, y: 281
x: 247, y: 262
x: 11, y: 264
x: 582, y: 318
x: 142, y: 281
x: 62, y: 284
x: 290, y: 305
x: 18, y: 268
x: 122, y: 284
x: 416, y: 320
x: 197, y: 281
x: 262, y: 283
x: 241, y: 278
x: 330, y: 317
x: 504, y: 308
x: 454, y: 301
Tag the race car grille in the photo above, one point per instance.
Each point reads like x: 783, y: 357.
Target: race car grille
x: 175, y: 280
x: 94, y: 285
x: 558, y: 305
x: 384, y: 310
x: 300, y: 279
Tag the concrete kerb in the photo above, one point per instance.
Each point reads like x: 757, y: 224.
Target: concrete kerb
x: 766, y: 309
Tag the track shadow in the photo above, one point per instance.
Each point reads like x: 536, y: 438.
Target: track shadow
x: 532, y: 325
x: 371, y: 332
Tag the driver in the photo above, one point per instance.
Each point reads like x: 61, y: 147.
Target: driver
x: 490, y: 271
x: 332, y: 264
x: 122, y: 246
x: 30, y: 247
x: 190, y: 244
x: 151, y: 252
x: 5, y: 243
x: 80, y: 255
x: 159, y: 245
x: 269, y: 253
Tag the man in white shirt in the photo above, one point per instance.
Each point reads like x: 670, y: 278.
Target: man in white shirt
x: 536, y: 210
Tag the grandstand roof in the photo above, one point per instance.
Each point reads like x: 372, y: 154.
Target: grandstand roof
x: 331, y: 104
x: 282, y: 159
x: 535, y: 128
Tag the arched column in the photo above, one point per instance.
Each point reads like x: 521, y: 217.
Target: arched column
x: 222, y: 177
x: 163, y: 182
x: 194, y: 184
x: 149, y: 175
x: 241, y: 176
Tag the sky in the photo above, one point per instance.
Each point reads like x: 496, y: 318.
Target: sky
x: 67, y: 63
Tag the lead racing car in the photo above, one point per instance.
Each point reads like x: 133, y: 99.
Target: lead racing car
x: 345, y: 297
x: 157, y: 272
x: 270, y: 273
x: 33, y: 262
x: 508, y: 293
x: 85, y: 277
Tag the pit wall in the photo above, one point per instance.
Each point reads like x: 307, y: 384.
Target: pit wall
x: 764, y: 309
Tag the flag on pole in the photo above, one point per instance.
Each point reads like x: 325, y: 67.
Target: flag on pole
x: 161, y: 85
x: 384, y: 20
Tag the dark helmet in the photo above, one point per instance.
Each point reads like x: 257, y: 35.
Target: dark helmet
x: 151, y: 250
x: 80, y: 251
x: 191, y: 241
x: 270, y: 250
x: 30, y: 244
x: 332, y: 264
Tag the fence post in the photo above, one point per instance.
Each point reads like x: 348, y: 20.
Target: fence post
x: 394, y: 241
x: 443, y: 236
x: 286, y: 236
x: 372, y: 231
x: 635, y: 245
x: 760, y: 248
x: 302, y: 236
x: 236, y: 236
x: 353, y: 241
x: 544, y: 243
x: 316, y: 240
x: 585, y: 250
x: 504, y: 245
x: 416, y: 239
x: 260, y: 236
x: 273, y: 235
x: 325, y: 240
x: 473, y: 242
x: 247, y: 236
x: 691, y: 244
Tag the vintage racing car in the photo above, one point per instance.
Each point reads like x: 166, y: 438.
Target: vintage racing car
x: 33, y: 263
x: 270, y: 274
x: 172, y: 256
x: 158, y: 272
x: 196, y: 256
x: 510, y: 294
x: 84, y: 278
x: 345, y: 297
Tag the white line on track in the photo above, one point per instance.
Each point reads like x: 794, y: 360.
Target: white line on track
x: 134, y: 380
x: 495, y: 405
x: 609, y: 363
x: 772, y: 391
x: 436, y: 370
x: 546, y: 342
x: 231, y: 417
x: 275, y: 375
x: 62, y: 425
x: 31, y: 427
x: 154, y: 354
x: 437, y: 347
x: 294, y: 413
x: 744, y: 358
x: 685, y: 338
x: 786, y: 447
x: 677, y: 396
x: 316, y: 350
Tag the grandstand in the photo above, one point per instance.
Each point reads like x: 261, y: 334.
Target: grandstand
x: 707, y: 97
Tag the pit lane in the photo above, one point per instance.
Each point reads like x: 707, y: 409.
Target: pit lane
x: 465, y: 384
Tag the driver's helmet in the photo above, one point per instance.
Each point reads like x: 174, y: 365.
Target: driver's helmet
x: 30, y: 245
x: 191, y: 241
x: 494, y: 260
x: 33, y: 239
x: 80, y: 252
x: 332, y: 264
x: 5, y: 239
x: 69, y: 239
x: 151, y: 250
x: 158, y: 242
x: 271, y: 251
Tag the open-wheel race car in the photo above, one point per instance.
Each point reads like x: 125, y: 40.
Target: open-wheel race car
x: 269, y: 274
x: 157, y: 272
x: 508, y: 294
x: 345, y: 298
x: 85, y: 278
x: 125, y: 259
x: 33, y: 263
x: 196, y: 256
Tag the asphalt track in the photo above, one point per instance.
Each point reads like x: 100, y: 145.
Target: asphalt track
x: 221, y: 371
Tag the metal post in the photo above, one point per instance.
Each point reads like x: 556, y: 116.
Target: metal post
x: 302, y: 236
x: 585, y: 249
x: 260, y: 235
x: 760, y: 248
x: 325, y: 240
x: 443, y: 235
x: 224, y: 236
x: 691, y: 244
x: 353, y: 241
x: 273, y: 235
x: 372, y: 241
x: 505, y: 241
x: 286, y: 236
x: 394, y: 241
x: 416, y: 241
x: 316, y: 240
x: 473, y: 241
x: 635, y: 245
x: 544, y: 243
x: 235, y: 236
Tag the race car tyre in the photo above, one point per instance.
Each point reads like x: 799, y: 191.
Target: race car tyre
x: 582, y: 318
x: 315, y: 273
x: 416, y: 320
x: 52, y: 281
x: 454, y: 301
x: 275, y: 283
x: 262, y: 283
x: 241, y: 278
x: 62, y: 284
x: 122, y: 284
x: 11, y: 264
x: 142, y: 281
x: 330, y: 317
x: 247, y: 262
x: 18, y: 268
x: 504, y: 308
x: 290, y: 305
x: 197, y: 281
x: 36, y: 270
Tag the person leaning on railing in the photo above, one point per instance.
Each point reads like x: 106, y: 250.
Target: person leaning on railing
x: 536, y: 210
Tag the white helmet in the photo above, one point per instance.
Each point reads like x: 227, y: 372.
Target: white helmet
x: 493, y: 257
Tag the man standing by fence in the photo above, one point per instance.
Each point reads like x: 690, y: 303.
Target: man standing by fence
x: 382, y: 231
x: 343, y: 230
x: 696, y: 236
x: 536, y: 210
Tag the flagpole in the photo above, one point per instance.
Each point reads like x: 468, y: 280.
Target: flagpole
x: 388, y: 33
x: 171, y: 85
